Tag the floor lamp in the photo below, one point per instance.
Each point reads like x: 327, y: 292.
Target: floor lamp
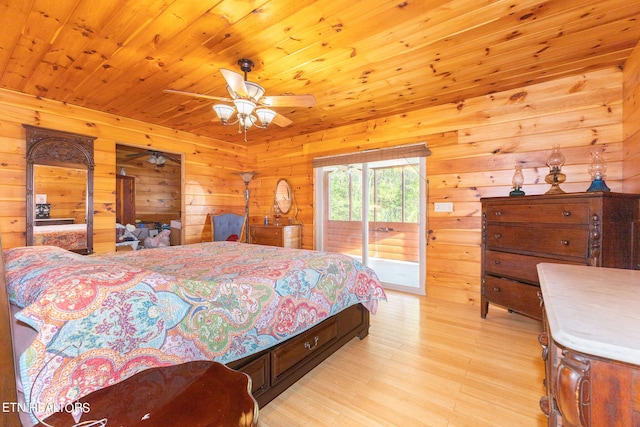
x: 246, y: 177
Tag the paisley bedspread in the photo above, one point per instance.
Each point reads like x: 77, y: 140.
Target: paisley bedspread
x: 101, y: 319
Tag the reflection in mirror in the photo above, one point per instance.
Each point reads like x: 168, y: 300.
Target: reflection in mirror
x: 59, y: 189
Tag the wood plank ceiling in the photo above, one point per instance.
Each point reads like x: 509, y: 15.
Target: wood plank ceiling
x: 360, y: 59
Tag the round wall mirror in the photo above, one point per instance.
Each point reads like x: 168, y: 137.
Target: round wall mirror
x: 283, y: 196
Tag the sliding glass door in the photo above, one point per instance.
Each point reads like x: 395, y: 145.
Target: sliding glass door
x: 374, y: 212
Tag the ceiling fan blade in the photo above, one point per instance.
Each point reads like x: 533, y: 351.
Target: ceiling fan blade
x: 289, y: 101
x: 135, y: 156
x: 235, y: 82
x: 173, y: 159
x: 198, y: 95
x: 281, y: 120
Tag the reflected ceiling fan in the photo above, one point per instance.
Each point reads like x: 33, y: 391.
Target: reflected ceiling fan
x: 250, y: 105
x: 157, y: 158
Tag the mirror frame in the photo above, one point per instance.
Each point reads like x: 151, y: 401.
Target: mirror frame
x: 64, y: 149
x: 284, y: 182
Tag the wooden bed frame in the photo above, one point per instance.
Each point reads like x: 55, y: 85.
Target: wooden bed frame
x: 272, y: 371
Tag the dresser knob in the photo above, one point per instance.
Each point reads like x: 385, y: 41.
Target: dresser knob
x: 496, y: 261
x: 566, y: 213
x: 498, y: 213
x: 497, y: 235
x: 564, y: 242
x: 496, y: 289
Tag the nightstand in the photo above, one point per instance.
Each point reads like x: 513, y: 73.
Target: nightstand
x: 190, y: 394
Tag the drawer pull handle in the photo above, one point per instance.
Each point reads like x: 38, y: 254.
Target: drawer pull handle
x: 497, y: 289
x: 498, y: 213
x: 310, y: 347
x: 564, y: 242
x: 497, y: 235
x: 566, y: 213
x: 496, y: 262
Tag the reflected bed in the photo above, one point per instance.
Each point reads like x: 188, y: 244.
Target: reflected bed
x: 71, y: 237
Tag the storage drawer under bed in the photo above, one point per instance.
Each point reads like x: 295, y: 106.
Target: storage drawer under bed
x: 304, y: 346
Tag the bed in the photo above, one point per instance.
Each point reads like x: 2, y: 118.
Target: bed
x: 273, y: 313
x: 66, y: 236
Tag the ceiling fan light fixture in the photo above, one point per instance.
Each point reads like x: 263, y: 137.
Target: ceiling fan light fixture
x: 247, y: 121
x: 224, y: 112
x: 244, y: 107
x: 265, y: 115
x: 254, y: 90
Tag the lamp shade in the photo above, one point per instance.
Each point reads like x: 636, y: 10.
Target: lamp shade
x: 254, y: 90
x: 556, y: 159
x: 246, y: 121
x: 244, y: 107
x: 265, y: 115
x: 518, y: 178
x: 246, y: 176
x: 598, y: 167
x: 224, y: 112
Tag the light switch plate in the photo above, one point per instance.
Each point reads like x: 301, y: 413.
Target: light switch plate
x: 443, y: 206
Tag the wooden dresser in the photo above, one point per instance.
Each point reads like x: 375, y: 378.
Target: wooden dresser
x: 125, y: 199
x: 520, y: 232
x: 286, y: 236
x: 591, y: 346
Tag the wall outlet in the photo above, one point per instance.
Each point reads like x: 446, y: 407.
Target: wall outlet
x: 443, y: 206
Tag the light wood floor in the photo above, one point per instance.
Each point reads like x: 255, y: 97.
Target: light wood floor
x: 424, y: 363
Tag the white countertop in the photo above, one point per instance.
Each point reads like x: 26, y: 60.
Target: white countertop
x: 593, y: 310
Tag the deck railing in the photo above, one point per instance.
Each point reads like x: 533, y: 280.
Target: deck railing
x: 389, y: 240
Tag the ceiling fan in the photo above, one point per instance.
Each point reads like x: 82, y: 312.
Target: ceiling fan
x: 157, y: 158
x: 245, y: 97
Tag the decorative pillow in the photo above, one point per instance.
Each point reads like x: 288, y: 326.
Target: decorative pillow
x: 232, y: 238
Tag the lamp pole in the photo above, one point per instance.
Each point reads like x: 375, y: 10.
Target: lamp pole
x: 246, y: 210
x: 246, y: 177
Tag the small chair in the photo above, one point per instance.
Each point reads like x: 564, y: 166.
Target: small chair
x: 228, y: 227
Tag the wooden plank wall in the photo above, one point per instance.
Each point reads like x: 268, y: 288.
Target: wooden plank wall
x: 475, y: 145
x: 631, y: 111
x: 209, y: 172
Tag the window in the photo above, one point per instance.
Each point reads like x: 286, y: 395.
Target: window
x: 394, y: 194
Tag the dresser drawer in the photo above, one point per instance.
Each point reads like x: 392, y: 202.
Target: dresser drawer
x: 569, y: 242
x: 515, y: 266
x: 516, y: 296
x: 550, y: 213
x: 270, y: 236
x: 303, y: 347
x: 286, y: 236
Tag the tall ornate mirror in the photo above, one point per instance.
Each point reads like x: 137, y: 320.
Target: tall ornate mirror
x: 59, y: 189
